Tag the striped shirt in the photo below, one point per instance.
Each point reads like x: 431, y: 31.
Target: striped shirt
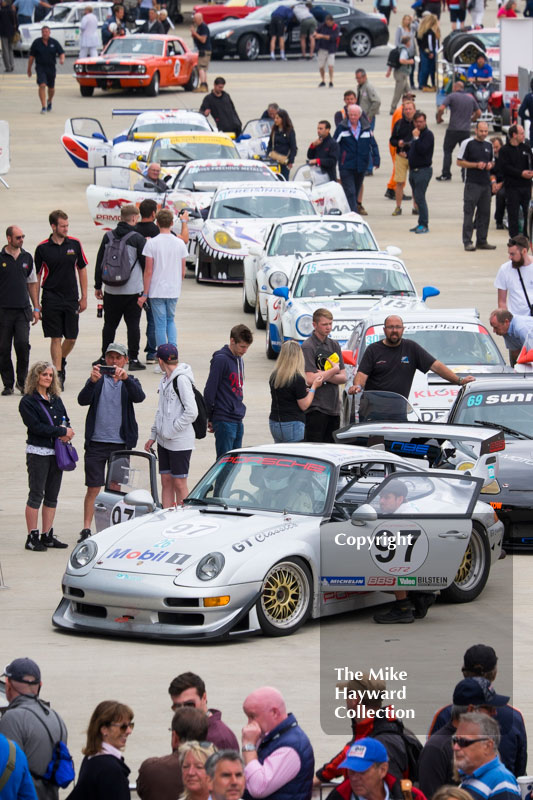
x: 491, y: 780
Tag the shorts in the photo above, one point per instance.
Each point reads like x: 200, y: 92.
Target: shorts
x: 401, y: 168
x: 325, y: 59
x: 47, y: 76
x: 277, y: 26
x: 173, y: 462
x: 97, y: 455
x: 203, y: 61
x: 60, y: 317
x: 457, y: 14
x: 308, y: 26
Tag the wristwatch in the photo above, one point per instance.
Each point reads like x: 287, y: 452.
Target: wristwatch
x: 248, y: 748
x: 460, y: 382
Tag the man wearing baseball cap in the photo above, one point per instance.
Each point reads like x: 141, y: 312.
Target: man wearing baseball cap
x: 110, y: 393
x: 435, y: 765
x: 367, y: 763
x: 480, y: 660
x: 30, y: 722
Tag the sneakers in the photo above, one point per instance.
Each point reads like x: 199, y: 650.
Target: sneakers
x: 428, y: 89
x: 158, y: 370
x: 500, y: 226
x: 283, y: 57
x: 399, y: 613
x: 414, y: 212
x: 151, y: 359
x: 272, y: 56
x: 61, y: 377
x: 397, y: 211
x: 49, y: 540
x: 421, y: 602
x: 43, y: 111
x: 7, y: 390
x: 362, y: 210
x: 49, y: 105
x: 444, y: 177
x: 330, y: 85
x: 100, y: 362
x: 84, y: 534
x: 406, y: 196
x: 33, y: 543
x: 322, y: 83
x: 419, y: 229
x: 470, y: 247
x: 390, y: 194
x: 134, y: 364
x: 485, y: 246
x: 20, y: 387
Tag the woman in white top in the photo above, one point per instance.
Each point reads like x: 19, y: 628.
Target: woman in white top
x: 89, y: 38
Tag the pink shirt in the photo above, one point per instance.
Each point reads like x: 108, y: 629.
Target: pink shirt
x: 277, y: 769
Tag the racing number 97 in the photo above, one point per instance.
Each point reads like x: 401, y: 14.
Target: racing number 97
x: 387, y: 544
x: 116, y: 514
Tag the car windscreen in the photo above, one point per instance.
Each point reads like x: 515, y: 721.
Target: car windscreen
x: 166, y: 152
x: 266, y: 482
x: 464, y: 344
x: 123, y: 46
x: 171, y: 126
x: 488, y: 39
x: 58, y: 14
x: 269, y: 206
x: 510, y: 407
x: 324, y: 278
x: 320, y: 237
x: 226, y: 173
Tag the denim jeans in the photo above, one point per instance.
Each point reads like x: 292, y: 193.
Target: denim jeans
x: 163, y: 310
x: 228, y: 435
x: 419, y: 179
x: 427, y: 70
x: 287, y: 431
x: 151, y: 346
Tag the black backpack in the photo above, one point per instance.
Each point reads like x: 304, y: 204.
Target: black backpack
x: 116, y: 267
x: 200, y: 423
x: 413, y: 747
x: 393, y: 59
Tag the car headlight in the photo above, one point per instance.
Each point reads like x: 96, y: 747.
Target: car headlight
x: 79, y: 68
x: 127, y: 156
x: 225, y: 240
x: 83, y: 554
x: 140, y: 68
x: 224, y: 35
x: 278, y: 279
x: 210, y: 566
x: 304, y: 325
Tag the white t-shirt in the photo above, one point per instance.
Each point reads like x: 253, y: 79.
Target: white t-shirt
x: 508, y: 279
x: 168, y: 253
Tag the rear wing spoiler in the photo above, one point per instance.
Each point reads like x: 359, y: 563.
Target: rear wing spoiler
x: 128, y: 112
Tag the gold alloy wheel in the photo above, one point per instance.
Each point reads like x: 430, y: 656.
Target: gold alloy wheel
x: 285, y: 597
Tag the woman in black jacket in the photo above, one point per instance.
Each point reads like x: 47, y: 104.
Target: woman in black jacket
x: 41, y: 402
x: 283, y: 140
x: 103, y: 773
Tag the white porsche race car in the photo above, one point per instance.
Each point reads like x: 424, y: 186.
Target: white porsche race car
x: 240, y: 218
x: 347, y: 284
x: 88, y: 146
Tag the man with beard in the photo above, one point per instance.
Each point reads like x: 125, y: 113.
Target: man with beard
x: 475, y: 754
x: 514, y: 281
x: 219, y: 104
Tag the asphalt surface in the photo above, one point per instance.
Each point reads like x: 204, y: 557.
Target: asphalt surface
x: 79, y: 671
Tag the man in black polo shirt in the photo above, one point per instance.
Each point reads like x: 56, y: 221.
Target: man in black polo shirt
x: 44, y: 52
x: 420, y: 171
x: 323, y: 356
x: 57, y: 259
x: 17, y: 281
x: 476, y: 157
x: 515, y: 162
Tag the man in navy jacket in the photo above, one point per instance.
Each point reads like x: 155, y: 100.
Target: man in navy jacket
x: 356, y: 141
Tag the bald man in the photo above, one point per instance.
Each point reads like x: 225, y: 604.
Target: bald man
x: 278, y: 756
x: 151, y: 182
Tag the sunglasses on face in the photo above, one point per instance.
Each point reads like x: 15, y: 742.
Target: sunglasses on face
x: 122, y: 725
x: 461, y: 742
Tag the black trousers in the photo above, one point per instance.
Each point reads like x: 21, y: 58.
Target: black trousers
x: 516, y: 199
x: 14, y: 330
x: 476, y: 200
x: 451, y: 139
x: 319, y: 427
x: 117, y: 306
x: 501, y: 202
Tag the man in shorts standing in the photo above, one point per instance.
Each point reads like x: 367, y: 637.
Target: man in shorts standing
x: 44, y: 52
x: 110, y: 424
x: 56, y: 260
x: 308, y: 26
x: 202, y: 40
x: 327, y: 35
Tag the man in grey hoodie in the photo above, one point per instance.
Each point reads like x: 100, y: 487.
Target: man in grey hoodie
x: 172, y: 428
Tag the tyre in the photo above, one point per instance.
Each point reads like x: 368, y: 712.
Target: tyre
x: 249, y: 47
x: 152, y: 90
x: 286, y: 597
x: 270, y: 352
x: 259, y: 321
x: 474, y: 570
x: 193, y: 81
x: 246, y: 306
x: 86, y: 91
x: 359, y: 44
x: 459, y: 41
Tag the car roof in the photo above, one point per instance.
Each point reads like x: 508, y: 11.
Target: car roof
x: 413, y: 310
x: 515, y: 381
x: 354, y: 255
x: 325, y: 218
x: 337, y: 454
x: 227, y: 162
x: 277, y: 188
x: 202, y: 136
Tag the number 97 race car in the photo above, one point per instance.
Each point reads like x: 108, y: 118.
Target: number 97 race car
x: 272, y: 536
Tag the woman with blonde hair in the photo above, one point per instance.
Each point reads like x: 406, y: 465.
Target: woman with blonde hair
x: 451, y: 793
x: 290, y: 396
x: 46, y: 419
x: 428, y: 44
x: 192, y: 758
x: 103, y: 773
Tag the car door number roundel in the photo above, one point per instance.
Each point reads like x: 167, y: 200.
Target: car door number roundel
x: 121, y: 513
x: 399, y: 549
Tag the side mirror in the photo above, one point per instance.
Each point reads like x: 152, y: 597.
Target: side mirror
x: 347, y: 357
x: 140, y: 497
x: 392, y: 250
x: 336, y: 212
x: 281, y: 291
x: 364, y: 513
x: 100, y: 136
x: 429, y: 291
x: 253, y: 250
x: 140, y: 157
x: 242, y: 137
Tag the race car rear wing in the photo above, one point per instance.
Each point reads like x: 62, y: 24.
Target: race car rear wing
x: 128, y: 112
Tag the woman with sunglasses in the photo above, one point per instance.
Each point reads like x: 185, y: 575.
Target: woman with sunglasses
x: 103, y: 773
x: 192, y: 758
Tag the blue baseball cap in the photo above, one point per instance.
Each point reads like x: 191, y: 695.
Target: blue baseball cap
x: 168, y: 353
x: 363, y: 753
x: 477, y: 691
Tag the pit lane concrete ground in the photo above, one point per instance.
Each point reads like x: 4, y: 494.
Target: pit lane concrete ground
x: 79, y: 671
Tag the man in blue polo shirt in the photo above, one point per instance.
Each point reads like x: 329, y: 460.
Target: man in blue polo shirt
x: 515, y: 329
x: 44, y: 52
x: 480, y: 71
x: 475, y: 753
x: 25, y: 9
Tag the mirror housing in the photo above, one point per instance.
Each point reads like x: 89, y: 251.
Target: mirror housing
x: 140, y: 497
x: 363, y: 514
x: 140, y: 157
x: 392, y: 250
x: 429, y: 291
x: 281, y: 291
x: 100, y: 136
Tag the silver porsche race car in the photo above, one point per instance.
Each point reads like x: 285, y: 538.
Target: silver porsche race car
x: 272, y: 536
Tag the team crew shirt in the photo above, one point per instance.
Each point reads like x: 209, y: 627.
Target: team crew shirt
x: 57, y: 264
x: 45, y: 54
x: 392, y: 369
x: 474, y: 151
x: 15, y: 274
